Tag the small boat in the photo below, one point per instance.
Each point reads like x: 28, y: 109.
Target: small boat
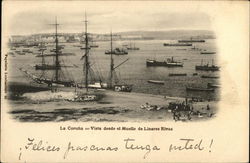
x: 199, y: 89
x: 94, y: 46
x: 177, y: 44
x: 169, y: 63
x: 177, y: 74
x: 156, y: 82
x: 195, y: 74
x: 208, y: 76
x: 208, y: 53
x: 211, y: 85
x: 122, y: 88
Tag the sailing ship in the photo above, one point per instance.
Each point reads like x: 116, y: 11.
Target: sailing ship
x: 132, y: 47
x: 169, y: 63
x: 58, y: 76
x: 93, y: 45
x: 207, y: 67
x: 115, y: 85
x: 87, y: 69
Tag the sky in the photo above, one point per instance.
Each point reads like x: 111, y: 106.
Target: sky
x: 30, y: 17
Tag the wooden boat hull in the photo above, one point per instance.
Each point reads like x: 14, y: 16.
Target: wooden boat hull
x: 156, y: 82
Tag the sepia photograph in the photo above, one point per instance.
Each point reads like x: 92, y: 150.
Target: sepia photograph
x: 111, y: 65
x: 133, y: 81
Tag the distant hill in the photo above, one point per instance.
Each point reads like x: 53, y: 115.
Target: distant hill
x: 173, y: 34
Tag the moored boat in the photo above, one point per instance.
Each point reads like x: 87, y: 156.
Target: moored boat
x: 208, y: 52
x: 191, y: 40
x: 208, y: 76
x: 117, y: 51
x: 132, y: 47
x: 211, y: 85
x: 169, y: 63
x: 207, y: 67
x: 177, y: 44
x: 156, y: 82
x: 177, y: 74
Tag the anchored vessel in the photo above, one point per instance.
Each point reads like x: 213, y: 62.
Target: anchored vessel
x: 132, y: 47
x: 156, y: 82
x: 207, y: 67
x: 169, y: 63
x: 114, y: 85
x: 58, y: 76
x: 177, y: 74
x: 117, y: 51
x: 191, y: 40
x: 177, y: 44
x: 208, y: 52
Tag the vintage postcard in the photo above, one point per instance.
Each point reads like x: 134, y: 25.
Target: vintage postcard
x: 125, y: 81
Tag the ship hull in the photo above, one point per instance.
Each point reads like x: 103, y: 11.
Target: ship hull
x: 115, y: 53
x: 178, y: 74
x: 156, y: 82
x: 190, y: 41
x: 177, y: 44
x: 47, y: 67
x: 164, y: 64
x: 206, y: 68
x: 207, y: 52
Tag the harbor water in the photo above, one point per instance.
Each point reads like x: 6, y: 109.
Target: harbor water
x: 134, y: 71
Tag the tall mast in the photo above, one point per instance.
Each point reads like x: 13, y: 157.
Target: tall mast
x: 57, y: 64
x: 86, y: 54
x: 112, y: 61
